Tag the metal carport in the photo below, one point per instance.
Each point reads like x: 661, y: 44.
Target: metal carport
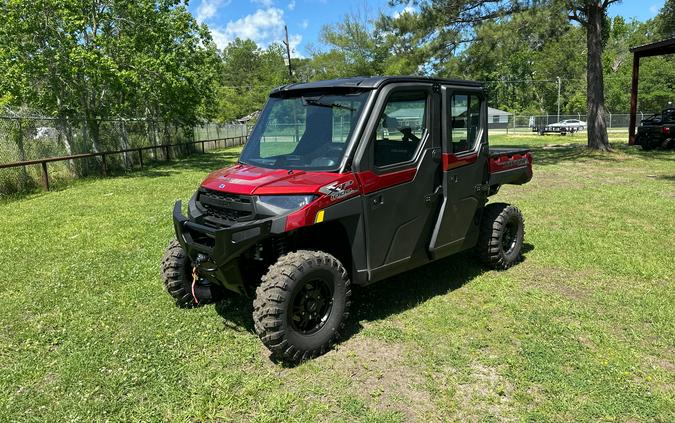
x: 648, y: 50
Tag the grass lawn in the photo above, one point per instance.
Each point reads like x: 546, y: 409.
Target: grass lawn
x: 582, y: 330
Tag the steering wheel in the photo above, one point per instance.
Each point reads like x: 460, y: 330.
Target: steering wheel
x: 408, y: 135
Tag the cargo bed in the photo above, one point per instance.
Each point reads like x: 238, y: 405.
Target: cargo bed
x: 510, y: 166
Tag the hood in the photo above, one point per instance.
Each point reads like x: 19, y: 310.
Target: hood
x: 252, y: 180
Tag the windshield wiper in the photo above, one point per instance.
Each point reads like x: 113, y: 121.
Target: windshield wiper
x: 317, y: 102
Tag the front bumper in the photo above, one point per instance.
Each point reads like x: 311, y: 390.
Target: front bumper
x: 220, y: 247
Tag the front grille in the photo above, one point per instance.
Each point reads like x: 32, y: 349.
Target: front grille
x: 224, y: 207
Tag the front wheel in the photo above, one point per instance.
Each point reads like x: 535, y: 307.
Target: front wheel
x: 301, y: 305
x: 176, y: 271
x: 502, y: 231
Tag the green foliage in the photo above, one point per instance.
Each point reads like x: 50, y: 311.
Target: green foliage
x: 97, y: 59
x: 665, y: 21
x: 248, y: 74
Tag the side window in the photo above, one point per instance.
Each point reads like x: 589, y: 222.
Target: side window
x: 464, y: 122
x: 400, y: 128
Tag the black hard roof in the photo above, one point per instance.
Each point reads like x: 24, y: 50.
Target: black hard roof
x: 369, y: 82
x: 658, y: 48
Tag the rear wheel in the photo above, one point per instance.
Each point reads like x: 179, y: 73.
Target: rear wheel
x: 301, y: 305
x: 177, y: 275
x: 502, y: 232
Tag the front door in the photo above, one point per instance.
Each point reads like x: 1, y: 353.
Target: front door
x: 465, y: 153
x: 398, y: 171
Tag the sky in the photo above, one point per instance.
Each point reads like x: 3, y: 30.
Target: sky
x: 263, y: 20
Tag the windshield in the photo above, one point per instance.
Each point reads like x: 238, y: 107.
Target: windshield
x: 308, y: 132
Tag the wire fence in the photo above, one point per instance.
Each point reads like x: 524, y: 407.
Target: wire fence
x: 112, y: 146
x: 510, y: 123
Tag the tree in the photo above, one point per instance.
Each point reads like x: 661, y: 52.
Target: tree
x: 520, y: 59
x: 248, y: 74
x: 449, y: 23
x: 93, y: 60
x: 592, y: 15
x: 665, y: 22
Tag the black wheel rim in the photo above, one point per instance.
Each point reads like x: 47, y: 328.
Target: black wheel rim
x: 311, y: 306
x: 509, y: 237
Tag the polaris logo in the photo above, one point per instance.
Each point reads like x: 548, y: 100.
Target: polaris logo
x: 221, y: 186
x: 336, y: 191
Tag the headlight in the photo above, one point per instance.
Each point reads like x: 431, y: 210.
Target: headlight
x: 278, y: 204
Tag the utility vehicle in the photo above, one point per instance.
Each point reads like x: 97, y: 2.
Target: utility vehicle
x: 657, y: 131
x: 343, y: 182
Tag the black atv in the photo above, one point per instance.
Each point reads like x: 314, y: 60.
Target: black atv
x: 657, y: 131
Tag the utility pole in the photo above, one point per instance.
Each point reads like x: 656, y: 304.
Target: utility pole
x: 288, y: 53
x: 559, y: 83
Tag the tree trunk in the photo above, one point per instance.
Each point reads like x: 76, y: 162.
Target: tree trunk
x: 124, y: 142
x: 597, y: 127
x: 23, y: 173
x: 66, y: 136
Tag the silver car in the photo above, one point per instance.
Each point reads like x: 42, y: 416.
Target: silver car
x: 571, y: 124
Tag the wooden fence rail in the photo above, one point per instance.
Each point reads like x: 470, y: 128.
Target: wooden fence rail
x: 166, y: 148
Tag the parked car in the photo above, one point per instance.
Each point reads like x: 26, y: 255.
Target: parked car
x: 296, y: 222
x: 573, y: 125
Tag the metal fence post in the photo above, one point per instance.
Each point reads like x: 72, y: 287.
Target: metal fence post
x: 140, y: 157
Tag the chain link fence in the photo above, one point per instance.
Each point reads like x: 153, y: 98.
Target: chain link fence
x: 616, y: 122
x: 35, y: 137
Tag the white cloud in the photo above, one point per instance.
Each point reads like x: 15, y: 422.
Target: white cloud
x: 291, y: 5
x: 208, y: 8
x: 264, y: 26
x: 409, y: 8
x: 654, y: 8
x: 219, y: 37
x: 294, y: 41
x: 264, y: 3
x: 304, y: 24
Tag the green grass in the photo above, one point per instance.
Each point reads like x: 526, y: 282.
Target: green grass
x: 581, y: 330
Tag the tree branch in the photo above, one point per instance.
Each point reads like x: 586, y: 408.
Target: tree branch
x: 574, y: 12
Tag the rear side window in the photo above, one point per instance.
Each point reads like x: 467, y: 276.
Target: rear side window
x: 401, y: 128
x: 463, y: 122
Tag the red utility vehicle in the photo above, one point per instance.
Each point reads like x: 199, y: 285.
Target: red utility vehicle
x: 344, y: 182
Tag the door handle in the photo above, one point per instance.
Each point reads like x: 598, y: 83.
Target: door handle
x: 430, y: 198
x: 377, y: 201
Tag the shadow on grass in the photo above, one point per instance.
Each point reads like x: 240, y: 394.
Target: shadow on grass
x: 670, y: 178
x: 197, y: 162
x: 382, y: 299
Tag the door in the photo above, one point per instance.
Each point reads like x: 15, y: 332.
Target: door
x: 465, y: 151
x: 398, y: 170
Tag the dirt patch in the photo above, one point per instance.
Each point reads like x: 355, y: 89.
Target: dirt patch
x: 558, y: 281
x: 380, y: 375
x: 484, y: 394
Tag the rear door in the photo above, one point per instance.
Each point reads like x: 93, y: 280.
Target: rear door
x: 398, y: 168
x: 464, y: 164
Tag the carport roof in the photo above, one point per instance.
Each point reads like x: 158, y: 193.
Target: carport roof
x: 658, y: 48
